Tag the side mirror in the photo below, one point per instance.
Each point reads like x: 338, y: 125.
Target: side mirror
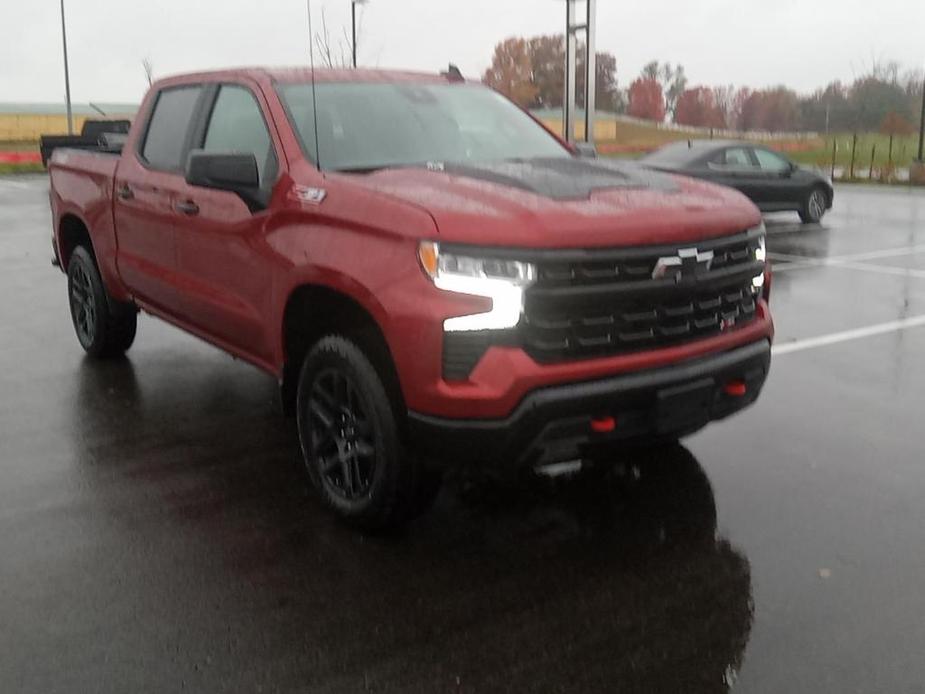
x: 236, y: 173
x: 585, y: 150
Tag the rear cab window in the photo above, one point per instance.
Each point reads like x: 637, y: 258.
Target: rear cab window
x: 164, y: 146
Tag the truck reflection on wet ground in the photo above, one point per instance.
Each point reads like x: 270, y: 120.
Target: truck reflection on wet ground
x: 558, y: 585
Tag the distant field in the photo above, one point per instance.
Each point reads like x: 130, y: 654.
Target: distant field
x: 19, y: 146
x: 634, y: 139
x: 905, y: 149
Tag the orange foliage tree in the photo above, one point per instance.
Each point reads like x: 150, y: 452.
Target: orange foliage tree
x: 698, y: 107
x: 511, y: 71
x: 646, y: 99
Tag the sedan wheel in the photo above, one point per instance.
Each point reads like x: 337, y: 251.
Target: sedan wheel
x: 815, y: 207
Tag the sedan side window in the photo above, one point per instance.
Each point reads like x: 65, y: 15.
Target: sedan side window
x: 733, y: 159
x: 771, y: 162
x: 737, y: 158
x: 237, y: 125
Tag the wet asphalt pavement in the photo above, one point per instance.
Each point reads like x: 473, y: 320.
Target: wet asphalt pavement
x: 157, y: 534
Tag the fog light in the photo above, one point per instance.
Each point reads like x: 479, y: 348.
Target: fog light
x: 735, y: 389
x: 603, y: 425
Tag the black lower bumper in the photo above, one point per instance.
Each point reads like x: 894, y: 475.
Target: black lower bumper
x: 554, y: 424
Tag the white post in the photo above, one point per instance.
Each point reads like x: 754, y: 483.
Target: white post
x: 590, y: 71
x: 568, y: 103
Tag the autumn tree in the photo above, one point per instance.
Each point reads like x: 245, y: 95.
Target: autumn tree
x: 547, y: 61
x: 672, y: 80
x: 774, y: 110
x: 646, y: 99
x: 511, y: 71
x: 875, y: 95
x: 736, y: 106
x: 605, y: 82
x: 532, y: 73
x: 698, y: 107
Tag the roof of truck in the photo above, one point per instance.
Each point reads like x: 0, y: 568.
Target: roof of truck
x: 303, y: 74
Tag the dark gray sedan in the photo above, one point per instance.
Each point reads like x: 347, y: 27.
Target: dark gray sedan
x: 772, y: 181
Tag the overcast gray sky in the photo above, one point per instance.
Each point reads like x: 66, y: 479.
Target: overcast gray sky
x: 802, y: 43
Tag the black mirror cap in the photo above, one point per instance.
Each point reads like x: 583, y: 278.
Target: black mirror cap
x: 585, y: 150
x: 231, y: 171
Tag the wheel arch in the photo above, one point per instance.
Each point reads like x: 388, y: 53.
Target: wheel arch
x: 313, y: 310
x: 72, y: 232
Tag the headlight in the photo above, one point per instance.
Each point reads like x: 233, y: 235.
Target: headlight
x: 502, y: 281
x: 761, y: 256
x: 761, y: 253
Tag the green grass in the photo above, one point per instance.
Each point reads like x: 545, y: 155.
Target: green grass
x: 905, y: 149
x: 21, y: 168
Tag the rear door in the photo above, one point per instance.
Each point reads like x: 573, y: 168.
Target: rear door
x: 222, y: 258
x: 737, y: 168
x: 146, y: 184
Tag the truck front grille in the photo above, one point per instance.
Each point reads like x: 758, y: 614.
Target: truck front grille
x: 601, y: 302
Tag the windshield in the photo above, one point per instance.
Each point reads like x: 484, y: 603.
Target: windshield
x: 370, y: 126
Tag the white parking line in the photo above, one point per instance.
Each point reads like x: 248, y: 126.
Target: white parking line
x: 885, y: 269
x: 17, y: 185
x: 847, y: 335
x: 852, y: 261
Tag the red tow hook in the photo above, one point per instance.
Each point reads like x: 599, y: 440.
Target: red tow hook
x: 735, y: 389
x: 602, y: 425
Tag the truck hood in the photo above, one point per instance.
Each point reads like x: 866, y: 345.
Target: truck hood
x: 563, y: 202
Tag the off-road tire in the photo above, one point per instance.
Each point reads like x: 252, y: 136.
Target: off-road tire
x: 105, y: 327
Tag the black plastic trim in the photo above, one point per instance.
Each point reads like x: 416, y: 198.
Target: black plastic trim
x: 534, y: 428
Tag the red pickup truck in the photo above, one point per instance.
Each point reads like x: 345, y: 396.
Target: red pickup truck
x: 430, y: 274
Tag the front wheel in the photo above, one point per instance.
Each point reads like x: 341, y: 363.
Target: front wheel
x: 815, y: 206
x: 104, y: 327
x: 350, y: 440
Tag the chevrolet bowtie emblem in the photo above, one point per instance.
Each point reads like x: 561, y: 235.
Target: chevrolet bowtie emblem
x: 687, y: 263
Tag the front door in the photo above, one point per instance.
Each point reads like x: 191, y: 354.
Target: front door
x: 225, y: 281
x: 781, y: 189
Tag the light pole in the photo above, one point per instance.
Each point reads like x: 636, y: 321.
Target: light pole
x: 572, y: 28
x: 922, y: 124
x: 353, y: 24
x: 67, y: 79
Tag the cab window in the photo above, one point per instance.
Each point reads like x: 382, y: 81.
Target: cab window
x: 237, y: 125
x: 165, y: 138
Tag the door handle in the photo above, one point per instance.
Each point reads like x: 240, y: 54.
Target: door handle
x: 187, y: 207
x: 124, y: 192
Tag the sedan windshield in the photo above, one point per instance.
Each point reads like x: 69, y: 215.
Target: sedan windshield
x: 363, y: 127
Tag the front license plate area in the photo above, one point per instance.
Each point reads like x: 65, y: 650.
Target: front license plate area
x: 684, y: 406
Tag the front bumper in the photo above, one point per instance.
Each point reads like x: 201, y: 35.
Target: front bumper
x: 553, y: 424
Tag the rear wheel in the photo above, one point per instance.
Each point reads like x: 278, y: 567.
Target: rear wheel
x: 814, y: 207
x: 350, y: 440
x: 104, y: 327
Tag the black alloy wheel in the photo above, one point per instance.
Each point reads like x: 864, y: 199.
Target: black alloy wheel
x: 349, y: 424
x: 105, y: 327
x: 83, y: 305
x: 342, y: 441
